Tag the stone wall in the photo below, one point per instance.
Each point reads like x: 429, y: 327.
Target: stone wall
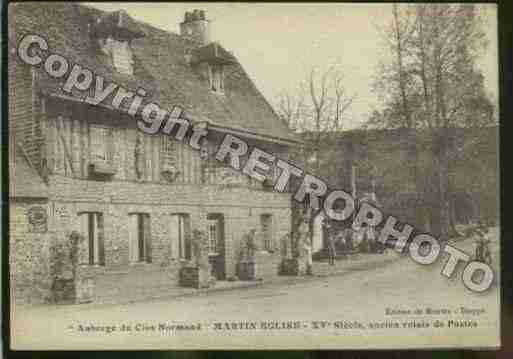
x: 30, y: 255
x: 240, y: 206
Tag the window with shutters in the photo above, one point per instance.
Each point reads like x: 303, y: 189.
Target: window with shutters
x: 139, y: 247
x: 179, y: 236
x: 92, y: 250
x: 266, y: 223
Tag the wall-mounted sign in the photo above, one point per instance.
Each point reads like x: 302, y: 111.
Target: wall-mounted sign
x: 37, y: 219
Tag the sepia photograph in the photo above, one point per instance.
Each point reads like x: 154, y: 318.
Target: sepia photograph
x: 263, y: 176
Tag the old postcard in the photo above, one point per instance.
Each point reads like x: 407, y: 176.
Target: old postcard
x: 253, y: 176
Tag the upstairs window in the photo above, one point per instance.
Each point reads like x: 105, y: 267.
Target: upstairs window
x: 169, y: 159
x: 120, y: 53
x: 122, y: 57
x: 101, y: 143
x: 216, y: 78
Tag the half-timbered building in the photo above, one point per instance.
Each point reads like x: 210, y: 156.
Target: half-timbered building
x: 134, y: 197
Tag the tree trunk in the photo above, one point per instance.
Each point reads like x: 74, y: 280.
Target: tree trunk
x: 443, y: 227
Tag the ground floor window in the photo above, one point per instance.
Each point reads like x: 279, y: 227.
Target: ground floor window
x: 139, y: 247
x: 91, y: 227
x: 216, y: 245
x: 180, y: 236
x: 213, y: 233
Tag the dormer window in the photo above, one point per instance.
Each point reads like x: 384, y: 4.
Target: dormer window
x: 213, y: 58
x: 114, y: 32
x: 121, y: 54
x: 216, y: 78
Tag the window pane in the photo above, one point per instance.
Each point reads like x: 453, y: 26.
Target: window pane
x: 98, y: 239
x: 147, y: 237
x: 100, y: 143
x: 94, y: 248
x: 83, y: 250
x: 212, y: 238
x: 174, y: 236
x: 133, y: 249
x: 179, y: 232
x: 181, y: 236
x: 122, y: 57
x: 91, y: 249
x: 91, y: 237
x: 140, y: 231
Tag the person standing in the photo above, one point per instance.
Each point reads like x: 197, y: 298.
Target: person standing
x: 330, y: 241
x: 304, y: 241
x: 250, y: 243
x: 371, y: 238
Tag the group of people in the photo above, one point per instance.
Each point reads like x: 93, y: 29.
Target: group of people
x: 298, y: 246
x: 361, y: 239
x: 336, y: 241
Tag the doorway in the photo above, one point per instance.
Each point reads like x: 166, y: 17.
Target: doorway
x: 216, y: 244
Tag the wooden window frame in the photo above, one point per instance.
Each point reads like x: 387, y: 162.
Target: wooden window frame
x: 95, y: 245
x: 216, y: 78
x: 213, y: 249
x: 184, y: 237
x: 108, y: 144
x: 144, y: 242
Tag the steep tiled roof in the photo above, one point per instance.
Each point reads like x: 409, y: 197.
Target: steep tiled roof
x: 24, y: 181
x: 117, y: 21
x: 160, y: 68
x: 213, y: 52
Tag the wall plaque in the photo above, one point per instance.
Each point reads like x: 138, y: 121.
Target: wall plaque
x: 37, y: 219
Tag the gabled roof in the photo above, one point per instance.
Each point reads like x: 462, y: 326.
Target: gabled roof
x: 160, y: 68
x: 24, y: 180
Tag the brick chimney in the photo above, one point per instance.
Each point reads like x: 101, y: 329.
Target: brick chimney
x: 196, y: 26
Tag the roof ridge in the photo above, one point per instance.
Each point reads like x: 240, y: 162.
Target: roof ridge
x: 140, y: 22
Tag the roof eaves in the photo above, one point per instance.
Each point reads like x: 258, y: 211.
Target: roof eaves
x: 254, y: 135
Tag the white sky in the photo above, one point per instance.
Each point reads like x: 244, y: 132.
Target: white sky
x: 278, y: 43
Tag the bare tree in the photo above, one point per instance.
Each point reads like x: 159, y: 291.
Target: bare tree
x: 342, y: 102
x: 318, y: 106
x: 291, y: 108
x: 431, y: 83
